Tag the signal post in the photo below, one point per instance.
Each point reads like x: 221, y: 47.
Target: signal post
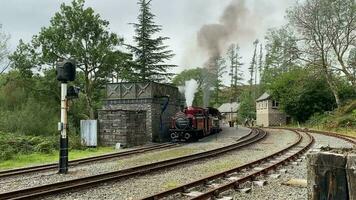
x: 65, y: 72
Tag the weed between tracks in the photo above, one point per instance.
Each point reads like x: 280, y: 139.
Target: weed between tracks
x: 223, y: 165
x: 157, y: 156
x: 169, y: 184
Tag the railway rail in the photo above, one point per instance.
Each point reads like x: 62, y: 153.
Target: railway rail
x: 346, y: 138
x: 40, y: 168
x: 39, y: 191
x: 233, y: 173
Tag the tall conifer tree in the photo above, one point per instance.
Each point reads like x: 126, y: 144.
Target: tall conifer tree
x: 150, y: 53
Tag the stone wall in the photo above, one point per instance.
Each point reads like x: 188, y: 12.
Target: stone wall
x: 148, y: 97
x: 275, y: 116
x: 152, y: 108
x: 122, y: 126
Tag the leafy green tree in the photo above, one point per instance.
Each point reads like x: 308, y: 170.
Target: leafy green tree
x: 260, y: 63
x: 352, y: 62
x: 235, y: 64
x: 196, y: 74
x: 247, y: 106
x: 327, y: 29
x: 218, y: 85
x: 150, y: 53
x: 188, y: 74
x: 299, y: 97
x: 282, y: 54
x: 78, y: 33
x: 3, y: 50
x: 252, y: 68
x: 25, y: 59
x: 27, y: 105
x: 281, y: 49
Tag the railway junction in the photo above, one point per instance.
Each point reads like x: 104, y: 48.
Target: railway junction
x: 238, y: 163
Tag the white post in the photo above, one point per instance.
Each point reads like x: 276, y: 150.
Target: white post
x: 63, y: 151
x: 64, y: 110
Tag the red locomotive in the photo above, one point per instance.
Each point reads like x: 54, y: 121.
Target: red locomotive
x: 194, y: 123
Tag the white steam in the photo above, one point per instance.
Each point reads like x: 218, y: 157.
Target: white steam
x: 190, y: 89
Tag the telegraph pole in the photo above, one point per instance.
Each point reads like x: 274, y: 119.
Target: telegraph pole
x: 65, y: 72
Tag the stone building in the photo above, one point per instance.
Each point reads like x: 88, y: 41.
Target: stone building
x: 122, y: 126
x: 268, y: 113
x: 147, y: 97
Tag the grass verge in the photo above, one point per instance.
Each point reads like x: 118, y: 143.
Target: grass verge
x: 42, y: 158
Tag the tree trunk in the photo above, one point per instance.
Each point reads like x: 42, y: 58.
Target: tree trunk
x: 90, y: 107
x: 88, y: 99
x: 333, y: 88
x: 349, y: 76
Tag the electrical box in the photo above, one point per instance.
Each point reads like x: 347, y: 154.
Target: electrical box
x: 65, y: 71
x: 89, y: 132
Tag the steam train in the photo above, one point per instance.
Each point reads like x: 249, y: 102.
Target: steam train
x: 193, y: 123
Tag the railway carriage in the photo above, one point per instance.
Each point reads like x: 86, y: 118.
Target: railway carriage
x: 194, y: 123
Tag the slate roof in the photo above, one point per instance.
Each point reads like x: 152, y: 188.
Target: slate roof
x: 226, y: 107
x: 264, y: 96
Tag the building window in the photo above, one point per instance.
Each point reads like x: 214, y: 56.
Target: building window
x: 275, y: 104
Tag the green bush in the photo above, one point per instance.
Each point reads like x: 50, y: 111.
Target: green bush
x: 75, y: 142
x: 345, y: 121
x: 6, y: 151
x: 12, y: 144
x: 348, y: 107
x: 343, y: 117
x: 31, y: 118
x: 44, y: 147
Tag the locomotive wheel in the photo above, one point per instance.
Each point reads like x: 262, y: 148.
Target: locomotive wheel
x: 174, y: 136
x: 187, y: 136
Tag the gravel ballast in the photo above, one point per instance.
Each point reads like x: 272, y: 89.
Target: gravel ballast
x: 139, y: 187
x: 228, y: 136
x: 276, y: 190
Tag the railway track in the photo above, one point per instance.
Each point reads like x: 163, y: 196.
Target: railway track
x: 234, y: 177
x: 332, y: 134
x: 346, y: 138
x: 41, y: 168
x: 255, y: 136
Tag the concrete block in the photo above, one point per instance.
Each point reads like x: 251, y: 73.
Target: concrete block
x: 245, y: 190
x: 275, y: 176
x: 258, y: 168
x: 193, y: 194
x: 213, y: 185
x: 232, y: 178
x: 225, y: 198
x: 260, y: 183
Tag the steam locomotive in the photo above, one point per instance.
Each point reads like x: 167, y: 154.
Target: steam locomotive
x: 194, y: 123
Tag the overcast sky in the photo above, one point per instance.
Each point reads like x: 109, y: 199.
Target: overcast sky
x: 181, y: 20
